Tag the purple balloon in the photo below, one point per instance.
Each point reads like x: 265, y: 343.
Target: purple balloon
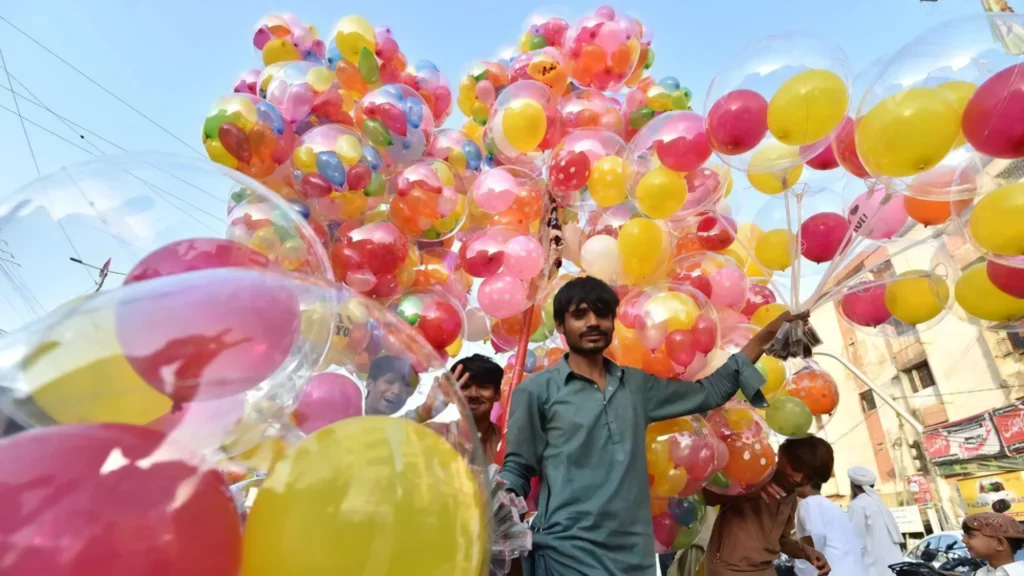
x: 866, y: 307
x: 326, y: 399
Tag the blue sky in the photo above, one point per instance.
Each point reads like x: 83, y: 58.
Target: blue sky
x: 172, y: 60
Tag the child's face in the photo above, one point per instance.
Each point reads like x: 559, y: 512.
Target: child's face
x: 789, y: 479
x: 983, y: 547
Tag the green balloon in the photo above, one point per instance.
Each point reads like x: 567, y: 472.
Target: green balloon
x: 212, y: 124
x: 789, y: 417
x: 375, y: 187
x: 718, y: 480
x: 376, y: 132
x: 650, y: 58
x: 368, y: 68
x: 410, y: 308
x: 680, y: 101
x: 538, y: 42
x: 540, y: 335
x: 640, y: 116
x: 687, y: 535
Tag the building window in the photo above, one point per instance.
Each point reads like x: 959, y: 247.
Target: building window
x: 920, y: 377
x: 867, y: 401
x: 1016, y: 341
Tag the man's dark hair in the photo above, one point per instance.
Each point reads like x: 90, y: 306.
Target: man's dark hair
x: 384, y: 366
x: 482, y: 370
x: 812, y: 456
x: 594, y: 293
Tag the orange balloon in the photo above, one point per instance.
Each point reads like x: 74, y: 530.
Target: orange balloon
x: 553, y: 356
x: 687, y: 244
x: 350, y: 79
x: 816, y: 388
x: 659, y: 506
x: 513, y: 219
x: 514, y: 326
x: 933, y: 212
x: 750, y: 461
x: 659, y: 364
x: 626, y: 349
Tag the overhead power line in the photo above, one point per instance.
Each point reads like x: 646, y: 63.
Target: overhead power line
x: 18, y: 108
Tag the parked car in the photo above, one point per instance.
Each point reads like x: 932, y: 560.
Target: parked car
x: 938, y: 549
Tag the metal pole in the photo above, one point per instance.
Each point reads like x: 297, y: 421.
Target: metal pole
x: 906, y: 416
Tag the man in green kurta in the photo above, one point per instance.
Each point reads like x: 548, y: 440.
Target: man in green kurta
x: 580, y: 426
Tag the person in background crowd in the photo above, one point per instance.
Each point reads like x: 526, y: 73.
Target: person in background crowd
x: 823, y: 525
x: 580, y: 426
x: 479, y: 380
x: 752, y: 530
x: 390, y: 382
x: 873, y: 523
x: 994, y: 538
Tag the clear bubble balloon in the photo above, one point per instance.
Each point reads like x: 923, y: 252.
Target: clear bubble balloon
x: 337, y: 173
x: 749, y: 458
x: 396, y: 120
x: 247, y: 134
x: 428, y: 200
x: 590, y: 108
x: 589, y: 161
x: 523, y: 124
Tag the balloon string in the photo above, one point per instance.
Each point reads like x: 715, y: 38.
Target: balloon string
x: 794, y: 295
x: 751, y: 258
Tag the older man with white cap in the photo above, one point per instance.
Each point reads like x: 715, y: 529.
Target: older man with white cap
x: 873, y: 522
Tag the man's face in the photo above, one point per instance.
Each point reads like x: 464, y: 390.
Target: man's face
x: 585, y: 332
x: 480, y: 398
x: 787, y: 478
x: 387, y: 395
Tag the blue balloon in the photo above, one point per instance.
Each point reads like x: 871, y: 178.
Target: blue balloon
x: 333, y: 56
x: 425, y: 65
x: 684, y: 511
x: 472, y: 153
x: 332, y: 229
x: 372, y: 158
x: 489, y: 162
x: 393, y: 90
x: 669, y: 83
x: 531, y: 361
x: 268, y: 114
x: 331, y: 167
x: 312, y: 58
x: 300, y: 208
x: 414, y: 112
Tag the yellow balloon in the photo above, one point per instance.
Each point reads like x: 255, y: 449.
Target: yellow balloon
x: 81, y: 376
x: 767, y: 313
x: 607, y: 182
x: 523, y: 123
x: 976, y: 294
x: 474, y: 132
x: 219, y: 154
x: 995, y: 222
x: 808, y: 107
x: 660, y: 193
x: 454, y: 348
x: 908, y: 133
x: 775, y: 249
x: 959, y: 92
x: 304, y: 158
x: 641, y: 244
x: 394, y: 494
x: 774, y: 372
x: 319, y: 78
x: 916, y: 296
x: 279, y: 50
x: 676, y: 310
x: 352, y: 34
x: 347, y: 147
x: 264, y: 456
x: 774, y: 168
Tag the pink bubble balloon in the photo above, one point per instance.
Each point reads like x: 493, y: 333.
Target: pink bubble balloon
x: 728, y: 287
x: 297, y: 102
x: 195, y: 254
x: 873, y: 219
x: 686, y: 147
x: 822, y: 235
x: 524, y: 257
x: 494, y: 191
x: 502, y: 296
x: 737, y: 122
x: 327, y: 398
x: 866, y: 307
x: 757, y: 296
x: 993, y: 120
x: 702, y: 185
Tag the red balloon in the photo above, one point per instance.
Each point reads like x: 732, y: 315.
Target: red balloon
x: 112, y: 499
x: 327, y: 398
x: 716, y: 232
x: 757, y: 296
x: 705, y: 334
x: 358, y: 177
x: 688, y: 149
x: 696, y: 280
x: 822, y: 235
x: 440, y: 322
x: 737, y: 122
x: 665, y: 529
x: 866, y: 307
x: 681, y: 347
x: 391, y: 116
x: 378, y: 247
x: 235, y: 141
x: 209, y: 337
x: 844, y: 147
x: 314, y: 185
x: 993, y: 120
x: 482, y: 256
x: 1008, y: 279
x: 824, y: 160
x: 195, y: 254
x: 569, y: 172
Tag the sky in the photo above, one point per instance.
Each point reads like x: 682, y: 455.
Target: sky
x: 172, y: 60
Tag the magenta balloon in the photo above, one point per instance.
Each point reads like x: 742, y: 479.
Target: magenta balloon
x: 195, y: 254
x: 326, y: 399
x: 687, y: 148
x: 1009, y: 279
x: 502, y: 296
x: 993, y: 120
x: 866, y: 307
x: 737, y: 122
x: 891, y: 217
x: 824, y: 160
x: 211, y: 343
x: 112, y: 499
x: 822, y: 235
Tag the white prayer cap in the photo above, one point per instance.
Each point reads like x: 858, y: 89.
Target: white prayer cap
x: 861, y: 476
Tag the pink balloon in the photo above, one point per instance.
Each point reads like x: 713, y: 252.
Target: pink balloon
x: 705, y: 333
x: 681, y: 347
x: 993, y: 120
x: 844, y: 147
x: 866, y: 307
x: 631, y: 309
x: 485, y: 92
x: 728, y: 287
x: 483, y: 255
x: 200, y: 344
x: 297, y: 102
x: 502, y: 296
x: 822, y: 235
x: 891, y: 217
x: 494, y: 191
x: 524, y: 257
x: 327, y: 398
x: 687, y: 148
x: 702, y: 184
x: 112, y: 499
x: 824, y: 160
x: 195, y: 254
x: 737, y: 122
x: 1009, y: 279
x: 757, y: 296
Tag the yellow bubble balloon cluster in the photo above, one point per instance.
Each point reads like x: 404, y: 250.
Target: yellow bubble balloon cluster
x: 808, y: 107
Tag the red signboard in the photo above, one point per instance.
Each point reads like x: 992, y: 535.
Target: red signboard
x: 1010, y: 424
x: 920, y: 488
x: 967, y: 439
